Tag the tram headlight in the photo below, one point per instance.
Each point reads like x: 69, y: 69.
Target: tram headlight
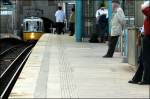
x: 32, y: 36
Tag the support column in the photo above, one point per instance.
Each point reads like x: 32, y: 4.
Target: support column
x: 79, y: 21
x: 110, y: 13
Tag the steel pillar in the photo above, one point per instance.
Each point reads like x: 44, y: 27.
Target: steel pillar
x: 79, y: 21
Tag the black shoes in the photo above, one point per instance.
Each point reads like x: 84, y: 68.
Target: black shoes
x: 106, y: 56
x: 93, y: 41
x: 132, y: 82
x: 102, y: 42
x: 140, y: 83
x: 144, y: 83
x: 70, y: 34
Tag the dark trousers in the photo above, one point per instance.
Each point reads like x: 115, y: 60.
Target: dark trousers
x: 104, y: 33
x: 59, y: 27
x: 94, y: 36
x: 72, y: 28
x: 139, y: 73
x: 146, y: 59
x: 112, y: 45
x: 143, y: 71
x: 100, y: 31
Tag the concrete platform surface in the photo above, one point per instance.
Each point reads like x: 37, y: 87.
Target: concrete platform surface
x: 59, y: 67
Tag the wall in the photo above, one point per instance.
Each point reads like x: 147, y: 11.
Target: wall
x: 47, y: 8
x: 47, y: 11
x: 6, y: 24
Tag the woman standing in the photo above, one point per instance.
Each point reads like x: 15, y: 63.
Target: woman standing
x: 72, y: 22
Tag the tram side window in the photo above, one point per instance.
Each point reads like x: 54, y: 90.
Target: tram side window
x: 27, y: 26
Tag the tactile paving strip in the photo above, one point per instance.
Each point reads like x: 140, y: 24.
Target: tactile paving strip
x: 68, y: 86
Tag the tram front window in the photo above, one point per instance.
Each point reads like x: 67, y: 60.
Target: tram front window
x: 38, y: 26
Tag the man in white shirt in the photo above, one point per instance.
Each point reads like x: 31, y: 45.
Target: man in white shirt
x: 60, y: 17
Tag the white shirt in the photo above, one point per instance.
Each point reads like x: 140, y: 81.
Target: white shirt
x: 142, y: 29
x: 60, y: 16
x: 102, y: 12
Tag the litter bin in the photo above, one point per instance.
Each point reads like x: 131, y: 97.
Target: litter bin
x: 132, y: 47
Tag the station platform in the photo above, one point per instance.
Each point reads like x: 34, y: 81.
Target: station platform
x: 59, y: 67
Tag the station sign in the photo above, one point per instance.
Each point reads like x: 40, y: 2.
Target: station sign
x: 7, y: 9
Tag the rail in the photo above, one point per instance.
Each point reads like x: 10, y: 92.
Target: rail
x: 11, y: 73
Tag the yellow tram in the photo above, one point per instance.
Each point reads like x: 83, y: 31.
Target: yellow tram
x: 32, y: 28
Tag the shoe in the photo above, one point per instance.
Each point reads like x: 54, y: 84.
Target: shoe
x: 132, y: 82
x: 106, y: 56
x: 144, y: 83
x: 102, y: 42
x: 93, y: 41
x: 70, y: 35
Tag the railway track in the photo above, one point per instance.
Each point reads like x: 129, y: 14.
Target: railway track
x: 12, y: 61
x: 3, y: 52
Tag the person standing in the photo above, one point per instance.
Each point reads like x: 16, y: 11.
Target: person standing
x: 142, y: 75
x: 101, y: 24
x: 117, y: 25
x: 102, y: 18
x: 139, y: 73
x: 60, y: 18
x: 146, y: 43
x: 72, y: 22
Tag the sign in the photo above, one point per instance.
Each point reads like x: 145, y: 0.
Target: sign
x: 7, y: 9
x: 6, y: 12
